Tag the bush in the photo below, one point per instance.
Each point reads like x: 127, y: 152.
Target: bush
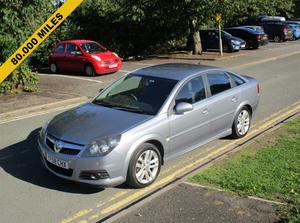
x: 21, y: 79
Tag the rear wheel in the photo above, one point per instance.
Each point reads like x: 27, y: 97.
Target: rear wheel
x: 277, y: 39
x: 89, y: 70
x: 53, y: 68
x: 241, y: 124
x: 144, y: 166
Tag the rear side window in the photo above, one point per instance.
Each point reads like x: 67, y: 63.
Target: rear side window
x: 59, y: 49
x: 192, y: 92
x: 238, y: 81
x: 218, y: 82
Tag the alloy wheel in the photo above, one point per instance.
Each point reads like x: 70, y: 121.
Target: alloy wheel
x: 53, y: 68
x: 243, y: 122
x: 147, y: 167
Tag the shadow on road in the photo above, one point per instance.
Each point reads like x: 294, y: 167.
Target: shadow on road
x: 22, y: 160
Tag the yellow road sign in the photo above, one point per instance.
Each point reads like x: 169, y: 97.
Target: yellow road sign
x: 218, y: 17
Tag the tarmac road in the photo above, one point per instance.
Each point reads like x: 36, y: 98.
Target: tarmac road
x: 28, y: 193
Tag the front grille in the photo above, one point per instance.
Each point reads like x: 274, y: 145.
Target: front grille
x: 64, y: 150
x: 59, y: 170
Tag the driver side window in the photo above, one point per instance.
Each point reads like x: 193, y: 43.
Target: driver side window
x: 192, y: 92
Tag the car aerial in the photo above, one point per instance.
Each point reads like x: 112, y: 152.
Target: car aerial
x: 145, y: 119
x: 295, y: 26
x: 253, y: 38
x: 83, y: 56
x: 210, y: 41
x: 277, y: 31
x: 258, y: 29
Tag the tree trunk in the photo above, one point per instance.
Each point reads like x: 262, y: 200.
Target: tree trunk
x: 197, y: 46
x: 197, y: 43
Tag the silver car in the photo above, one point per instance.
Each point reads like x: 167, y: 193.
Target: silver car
x: 145, y: 119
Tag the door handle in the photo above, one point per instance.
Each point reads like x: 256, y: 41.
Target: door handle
x: 234, y: 99
x: 205, y: 111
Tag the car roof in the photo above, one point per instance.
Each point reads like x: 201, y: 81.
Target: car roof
x: 242, y: 28
x: 77, y: 41
x: 175, y: 71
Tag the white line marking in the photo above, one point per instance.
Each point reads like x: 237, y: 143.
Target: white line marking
x: 71, y: 77
x: 124, y: 71
x: 147, y: 64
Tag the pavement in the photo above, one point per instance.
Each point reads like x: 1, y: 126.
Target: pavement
x: 29, y: 193
x: 188, y: 203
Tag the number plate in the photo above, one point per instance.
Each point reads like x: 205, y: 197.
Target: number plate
x: 57, y: 162
x: 113, y: 65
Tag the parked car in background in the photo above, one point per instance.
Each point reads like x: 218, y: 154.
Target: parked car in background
x: 83, y: 56
x: 253, y: 38
x: 295, y: 26
x: 277, y: 31
x: 255, y: 28
x: 145, y: 119
x: 272, y: 18
x: 210, y: 41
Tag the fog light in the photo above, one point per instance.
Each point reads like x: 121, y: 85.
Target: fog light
x: 94, y: 175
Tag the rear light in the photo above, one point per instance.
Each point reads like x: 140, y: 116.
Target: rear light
x: 285, y: 30
x: 259, y: 37
x: 257, y: 88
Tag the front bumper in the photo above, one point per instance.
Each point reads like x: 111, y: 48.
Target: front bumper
x: 107, y: 68
x: 78, y: 165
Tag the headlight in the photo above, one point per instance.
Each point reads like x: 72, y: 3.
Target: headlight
x: 96, y: 58
x: 101, y: 147
x: 235, y: 42
x: 43, y: 130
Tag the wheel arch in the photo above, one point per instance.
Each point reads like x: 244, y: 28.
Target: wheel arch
x: 154, y: 139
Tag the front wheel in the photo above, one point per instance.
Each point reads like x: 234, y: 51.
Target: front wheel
x: 144, y: 166
x: 241, y: 124
x: 89, y: 70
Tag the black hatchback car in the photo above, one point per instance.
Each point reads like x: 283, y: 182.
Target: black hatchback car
x: 277, y: 31
x: 210, y: 41
x: 253, y: 38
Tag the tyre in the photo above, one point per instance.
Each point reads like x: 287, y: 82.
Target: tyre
x: 226, y: 48
x: 53, y: 68
x: 89, y: 70
x: 277, y: 39
x: 144, y: 166
x: 241, y: 124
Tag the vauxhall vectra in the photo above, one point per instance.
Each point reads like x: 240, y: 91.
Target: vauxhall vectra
x: 145, y: 119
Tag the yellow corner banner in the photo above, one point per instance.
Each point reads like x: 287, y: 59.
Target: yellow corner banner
x: 38, y: 37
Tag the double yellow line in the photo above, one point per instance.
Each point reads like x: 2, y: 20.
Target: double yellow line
x: 38, y: 37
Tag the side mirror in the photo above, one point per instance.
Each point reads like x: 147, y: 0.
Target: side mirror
x: 183, y: 107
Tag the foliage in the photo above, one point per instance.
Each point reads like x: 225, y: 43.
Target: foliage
x: 129, y: 27
x: 18, y: 20
x: 272, y: 172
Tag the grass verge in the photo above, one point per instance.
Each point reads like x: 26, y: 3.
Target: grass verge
x: 268, y: 168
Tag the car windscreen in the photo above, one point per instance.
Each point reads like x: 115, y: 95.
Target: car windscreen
x: 226, y: 34
x: 92, y: 47
x: 137, y: 93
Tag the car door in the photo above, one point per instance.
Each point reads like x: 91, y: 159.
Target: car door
x: 213, y: 40
x: 58, y: 55
x: 224, y: 99
x: 74, y: 58
x: 191, y: 128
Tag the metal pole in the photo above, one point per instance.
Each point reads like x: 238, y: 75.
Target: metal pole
x: 220, y: 38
